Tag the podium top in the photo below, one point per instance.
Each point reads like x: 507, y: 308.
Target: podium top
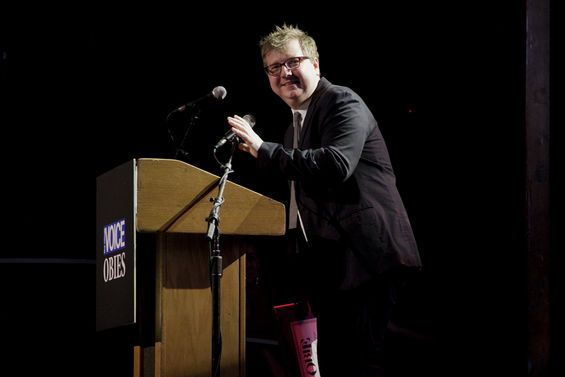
x: 176, y: 197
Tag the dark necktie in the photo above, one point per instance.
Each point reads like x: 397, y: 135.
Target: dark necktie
x: 293, y: 208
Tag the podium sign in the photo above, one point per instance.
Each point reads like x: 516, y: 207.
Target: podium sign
x: 115, y: 247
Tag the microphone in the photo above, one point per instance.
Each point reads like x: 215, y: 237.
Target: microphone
x: 230, y: 136
x: 218, y: 93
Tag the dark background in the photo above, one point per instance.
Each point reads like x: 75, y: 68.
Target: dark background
x: 84, y: 90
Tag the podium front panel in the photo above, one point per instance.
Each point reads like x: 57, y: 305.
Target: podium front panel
x: 115, y: 247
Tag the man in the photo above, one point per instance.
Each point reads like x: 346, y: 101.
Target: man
x: 352, y: 229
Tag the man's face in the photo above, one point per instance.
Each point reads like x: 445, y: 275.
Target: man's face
x: 293, y: 85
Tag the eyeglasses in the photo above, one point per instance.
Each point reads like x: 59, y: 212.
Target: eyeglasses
x: 291, y: 63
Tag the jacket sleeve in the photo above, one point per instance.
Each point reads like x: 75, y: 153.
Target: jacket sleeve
x: 341, y: 124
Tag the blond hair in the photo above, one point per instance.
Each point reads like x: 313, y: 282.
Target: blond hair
x: 281, y: 35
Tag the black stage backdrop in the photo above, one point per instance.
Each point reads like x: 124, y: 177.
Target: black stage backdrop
x: 88, y: 89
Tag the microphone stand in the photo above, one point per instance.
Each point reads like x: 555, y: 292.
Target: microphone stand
x: 216, y: 268
x: 194, y: 112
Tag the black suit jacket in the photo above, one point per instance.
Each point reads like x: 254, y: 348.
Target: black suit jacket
x: 345, y: 185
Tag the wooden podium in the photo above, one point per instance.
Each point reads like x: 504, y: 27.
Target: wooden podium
x: 172, y: 200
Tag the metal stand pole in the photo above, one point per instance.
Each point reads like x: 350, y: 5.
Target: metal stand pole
x: 216, y: 267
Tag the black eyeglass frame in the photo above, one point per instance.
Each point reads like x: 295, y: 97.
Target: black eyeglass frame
x: 290, y: 63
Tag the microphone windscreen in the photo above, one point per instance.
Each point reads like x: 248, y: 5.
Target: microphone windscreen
x: 250, y: 119
x: 219, y: 92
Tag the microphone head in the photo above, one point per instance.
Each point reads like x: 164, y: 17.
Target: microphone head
x: 219, y: 92
x: 250, y: 119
